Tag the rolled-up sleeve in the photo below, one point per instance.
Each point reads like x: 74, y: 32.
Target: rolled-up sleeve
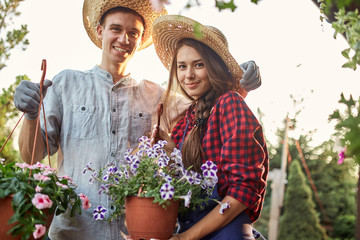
x: 235, y: 141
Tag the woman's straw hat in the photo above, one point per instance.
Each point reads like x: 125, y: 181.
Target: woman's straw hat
x: 168, y: 30
x: 94, y: 9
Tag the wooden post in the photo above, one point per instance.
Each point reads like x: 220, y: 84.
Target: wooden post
x: 278, y: 187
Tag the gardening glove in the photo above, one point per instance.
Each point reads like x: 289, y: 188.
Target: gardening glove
x: 27, y: 97
x: 251, y: 78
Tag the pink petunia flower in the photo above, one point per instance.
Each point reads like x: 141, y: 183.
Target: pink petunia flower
x: 39, y: 231
x: 39, y: 165
x: 62, y: 185
x: 22, y: 165
x: 38, y: 189
x: 342, y: 156
x: 40, y: 177
x: 41, y: 201
x: 85, y: 201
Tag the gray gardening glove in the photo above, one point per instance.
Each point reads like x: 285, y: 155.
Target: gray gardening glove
x: 251, y: 78
x: 27, y: 97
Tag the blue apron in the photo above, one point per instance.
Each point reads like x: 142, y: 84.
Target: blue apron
x: 240, y: 228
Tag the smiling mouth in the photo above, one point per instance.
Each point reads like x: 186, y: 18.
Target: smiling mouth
x: 191, y: 85
x: 120, y: 49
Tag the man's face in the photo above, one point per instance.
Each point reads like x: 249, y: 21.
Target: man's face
x: 121, y: 36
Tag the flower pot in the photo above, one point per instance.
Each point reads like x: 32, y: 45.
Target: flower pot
x: 146, y: 220
x: 6, y: 213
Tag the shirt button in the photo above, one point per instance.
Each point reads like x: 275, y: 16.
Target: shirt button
x: 113, y: 131
x: 108, y: 75
x: 114, y: 110
x: 113, y: 154
x: 140, y: 114
x: 83, y: 108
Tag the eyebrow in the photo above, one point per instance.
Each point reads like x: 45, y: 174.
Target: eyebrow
x: 119, y: 25
x: 195, y: 61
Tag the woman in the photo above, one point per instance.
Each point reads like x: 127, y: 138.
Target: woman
x: 218, y: 126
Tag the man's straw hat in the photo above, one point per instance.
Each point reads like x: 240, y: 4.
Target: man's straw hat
x: 168, y: 30
x: 94, y: 9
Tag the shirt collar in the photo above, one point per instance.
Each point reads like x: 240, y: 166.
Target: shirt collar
x: 125, y: 81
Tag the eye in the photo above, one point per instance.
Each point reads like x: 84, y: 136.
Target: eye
x: 181, y: 66
x: 134, y: 35
x: 115, y: 29
x: 199, y: 65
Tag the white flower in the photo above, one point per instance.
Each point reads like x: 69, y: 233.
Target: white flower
x: 224, y: 206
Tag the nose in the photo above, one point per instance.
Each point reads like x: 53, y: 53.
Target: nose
x: 190, y: 73
x: 123, y: 38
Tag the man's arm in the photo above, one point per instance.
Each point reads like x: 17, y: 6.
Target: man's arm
x: 26, y: 142
x: 251, y: 78
x: 27, y: 99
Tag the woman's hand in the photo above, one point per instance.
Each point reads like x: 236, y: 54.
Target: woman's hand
x: 162, y: 135
x: 176, y: 237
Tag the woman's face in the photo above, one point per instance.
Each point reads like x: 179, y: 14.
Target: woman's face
x: 191, y: 72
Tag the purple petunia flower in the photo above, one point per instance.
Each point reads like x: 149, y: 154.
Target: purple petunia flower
x: 209, y: 169
x: 151, y: 153
x: 99, y: 213
x: 209, y: 182
x: 187, y: 199
x: 134, y: 165
x: 197, y: 177
x: 167, y: 191
x: 104, y: 188
x: 224, y: 206
x: 106, y: 177
x: 93, y: 177
x: 88, y: 168
x: 144, y: 143
x: 176, y: 156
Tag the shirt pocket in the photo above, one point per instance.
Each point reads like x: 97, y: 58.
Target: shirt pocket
x: 83, y: 122
x: 140, y: 125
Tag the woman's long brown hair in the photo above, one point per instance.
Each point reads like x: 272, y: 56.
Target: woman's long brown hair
x: 220, y: 80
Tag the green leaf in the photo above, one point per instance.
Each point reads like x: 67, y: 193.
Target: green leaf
x: 18, y: 197
x: 345, y: 53
x: 14, y: 218
x: 221, y: 5
x: 335, y: 115
x: 15, y: 230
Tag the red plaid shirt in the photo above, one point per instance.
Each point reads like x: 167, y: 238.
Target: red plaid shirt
x: 234, y: 141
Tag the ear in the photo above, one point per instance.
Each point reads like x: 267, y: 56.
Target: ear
x: 99, y: 31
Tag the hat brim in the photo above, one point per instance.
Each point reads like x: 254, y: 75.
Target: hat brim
x: 168, y: 30
x: 93, y: 10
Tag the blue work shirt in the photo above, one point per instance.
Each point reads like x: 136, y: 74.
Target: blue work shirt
x: 91, y: 119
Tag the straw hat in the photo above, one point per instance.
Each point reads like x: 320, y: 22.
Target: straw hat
x: 94, y: 9
x: 168, y: 30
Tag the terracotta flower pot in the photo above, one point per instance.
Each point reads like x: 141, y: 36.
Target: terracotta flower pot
x: 6, y: 213
x: 146, y: 220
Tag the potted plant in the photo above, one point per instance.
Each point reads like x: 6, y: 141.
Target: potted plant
x: 153, y: 176
x: 35, y: 193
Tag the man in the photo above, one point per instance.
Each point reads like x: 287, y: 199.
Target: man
x: 94, y: 116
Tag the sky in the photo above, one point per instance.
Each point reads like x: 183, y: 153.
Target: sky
x: 296, y: 53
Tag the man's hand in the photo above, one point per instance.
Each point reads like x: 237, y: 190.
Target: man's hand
x: 251, y: 78
x: 27, y: 97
